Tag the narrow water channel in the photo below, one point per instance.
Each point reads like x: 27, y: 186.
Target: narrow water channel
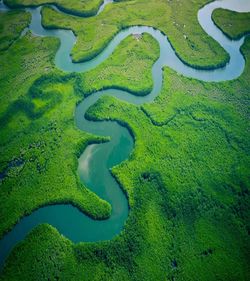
x: 97, y: 159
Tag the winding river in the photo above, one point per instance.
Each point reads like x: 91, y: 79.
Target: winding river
x: 97, y: 159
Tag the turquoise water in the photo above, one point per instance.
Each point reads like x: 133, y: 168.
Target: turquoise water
x: 97, y: 159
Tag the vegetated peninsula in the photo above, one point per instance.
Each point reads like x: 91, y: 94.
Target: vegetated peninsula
x: 181, y: 195
x: 233, y: 24
x: 80, y: 8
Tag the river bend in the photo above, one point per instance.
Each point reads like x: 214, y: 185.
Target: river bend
x: 97, y: 159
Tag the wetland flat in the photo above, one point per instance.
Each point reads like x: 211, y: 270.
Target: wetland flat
x: 124, y: 156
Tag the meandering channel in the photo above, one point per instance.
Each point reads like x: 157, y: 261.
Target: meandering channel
x: 97, y: 159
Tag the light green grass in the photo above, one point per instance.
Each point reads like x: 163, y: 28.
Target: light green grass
x: 233, y: 24
x: 38, y: 122
x: 11, y: 26
x: 81, y: 8
x: 188, y: 189
x: 128, y: 68
x: 191, y: 43
x: 38, y: 135
x: 187, y: 179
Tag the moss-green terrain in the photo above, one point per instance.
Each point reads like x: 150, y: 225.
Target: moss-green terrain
x: 191, y: 43
x: 33, y: 128
x: 11, y: 26
x: 233, y: 24
x: 187, y: 179
x: 81, y: 8
x: 38, y: 122
x: 129, y: 68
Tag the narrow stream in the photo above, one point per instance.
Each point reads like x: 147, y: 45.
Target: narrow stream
x: 97, y: 159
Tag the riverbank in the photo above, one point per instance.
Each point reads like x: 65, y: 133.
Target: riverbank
x: 186, y: 180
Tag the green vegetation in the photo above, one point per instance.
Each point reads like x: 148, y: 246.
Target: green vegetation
x: 191, y: 43
x: 38, y: 123
x: 129, y: 68
x: 76, y: 7
x: 11, y: 26
x: 233, y: 24
x: 187, y: 179
x: 25, y: 66
x: 195, y: 167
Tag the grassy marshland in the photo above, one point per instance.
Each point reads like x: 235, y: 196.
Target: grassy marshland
x: 11, y: 26
x: 129, y: 68
x: 233, y: 24
x: 187, y: 180
x: 76, y: 7
x: 191, y: 43
x: 38, y: 123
